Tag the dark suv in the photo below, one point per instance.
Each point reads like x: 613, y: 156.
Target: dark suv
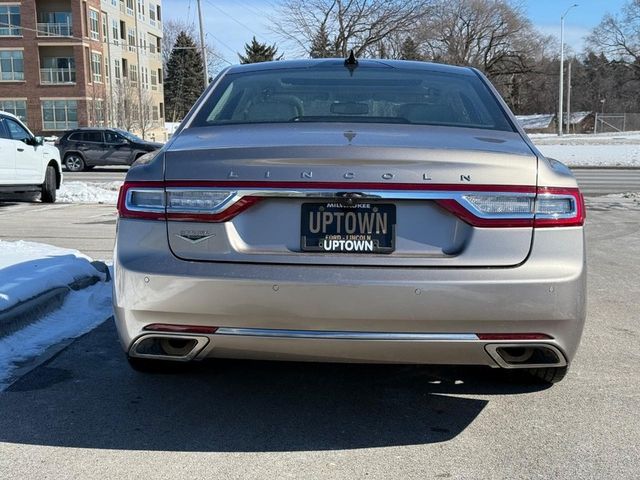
x: 85, y: 148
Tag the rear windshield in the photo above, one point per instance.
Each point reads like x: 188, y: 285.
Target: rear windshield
x: 366, y: 95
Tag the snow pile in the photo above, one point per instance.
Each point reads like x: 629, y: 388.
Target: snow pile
x: 28, y: 269
x: 594, y: 155
x: 87, y: 192
x: 633, y: 196
x: 602, y: 150
x: 81, y: 312
x: 617, y: 138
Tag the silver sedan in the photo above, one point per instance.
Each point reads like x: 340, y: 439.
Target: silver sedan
x: 351, y: 211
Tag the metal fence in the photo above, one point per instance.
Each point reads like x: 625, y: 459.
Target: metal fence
x: 617, y: 122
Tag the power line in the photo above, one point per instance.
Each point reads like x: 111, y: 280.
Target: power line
x: 253, y: 8
x: 222, y: 43
x: 117, y: 44
x: 242, y: 24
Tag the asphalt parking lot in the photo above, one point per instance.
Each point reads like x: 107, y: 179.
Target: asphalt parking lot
x: 85, y: 414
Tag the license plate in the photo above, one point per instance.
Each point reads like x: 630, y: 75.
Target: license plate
x: 334, y: 227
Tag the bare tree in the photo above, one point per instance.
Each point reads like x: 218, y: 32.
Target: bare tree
x: 492, y: 35
x: 361, y: 25
x: 145, y: 121
x: 618, y: 36
x: 125, y: 104
x: 171, y: 29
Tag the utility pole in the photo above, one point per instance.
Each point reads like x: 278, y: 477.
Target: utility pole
x: 561, y: 100
x: 569, y: 97
x: 203, y: 46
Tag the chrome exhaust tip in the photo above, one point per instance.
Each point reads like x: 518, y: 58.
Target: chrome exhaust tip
x: 526, y: 355
x: 180, y: 348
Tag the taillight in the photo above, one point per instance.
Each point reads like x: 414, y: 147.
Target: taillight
x: 559, y: 207
x: 159, y: 201
x: 546, y: 207
x: 478, y: 205
x: 145, y: 200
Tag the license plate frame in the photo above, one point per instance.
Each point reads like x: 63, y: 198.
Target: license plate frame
x: 370, y: 230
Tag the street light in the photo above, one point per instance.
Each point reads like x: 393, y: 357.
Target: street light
x: 560, y: 119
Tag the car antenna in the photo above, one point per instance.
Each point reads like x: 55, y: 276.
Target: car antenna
x: 352, y: 62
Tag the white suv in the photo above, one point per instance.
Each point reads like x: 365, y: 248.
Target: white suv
x: 26, y: 163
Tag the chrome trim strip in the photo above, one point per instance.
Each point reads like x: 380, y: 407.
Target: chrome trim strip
x: 459, y: 196
x: 325, y: 334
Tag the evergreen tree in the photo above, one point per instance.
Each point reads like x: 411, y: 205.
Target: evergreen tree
x: 184, y: 82
x: 409, y: 50
x: 256, y: 52
x: 321, y: 46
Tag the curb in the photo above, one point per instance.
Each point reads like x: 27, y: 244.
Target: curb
x: 33, y: 309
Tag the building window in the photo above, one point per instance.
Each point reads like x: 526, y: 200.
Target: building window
x: 131, y: 34
x: 11, y: 65
x: 98, y: 113
x: 152, y: 14
x: 94, y: 24
x: 160, y: 76
x: 106, y: 67
x: 117, y: 71
x: 96, y: 67
x: 10, y: 21
x: 60, y: 114
x: 145, y: 78
x: 55, y: 24
x: 154, y: 79
x: 105, y: 28
x: 16, y: 107
x: 162, y: 110
x: 133, y: 73
x: 130, y: 7
x: 86, y: 18
x: 125, y: 67
x: 115, y: 30
x: 155, y: 113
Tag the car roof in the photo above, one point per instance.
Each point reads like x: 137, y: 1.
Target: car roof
x: 13, y: 117
x: 10, y: 115
x: 364, y: 63
x: 81, y: 129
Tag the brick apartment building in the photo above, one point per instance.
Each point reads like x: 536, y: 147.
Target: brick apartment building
x: 75, y: 63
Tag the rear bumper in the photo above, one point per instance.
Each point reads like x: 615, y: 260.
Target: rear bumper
x: 545, y: 294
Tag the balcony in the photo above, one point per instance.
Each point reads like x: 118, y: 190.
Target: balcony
x: 55, y: 29
x: 57, y: 76
x: 54, y: 18
x: 57, y: 65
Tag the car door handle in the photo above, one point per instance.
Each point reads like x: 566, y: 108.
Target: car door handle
x: 21, y: 149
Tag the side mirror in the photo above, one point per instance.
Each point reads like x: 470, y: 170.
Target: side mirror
x: 38, y: 141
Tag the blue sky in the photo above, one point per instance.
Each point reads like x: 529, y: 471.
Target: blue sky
x: 231, y: 23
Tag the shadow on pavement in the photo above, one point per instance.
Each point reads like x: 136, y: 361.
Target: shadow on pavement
x: 88, y: 397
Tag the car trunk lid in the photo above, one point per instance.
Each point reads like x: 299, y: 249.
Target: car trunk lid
x: 292, y: 174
